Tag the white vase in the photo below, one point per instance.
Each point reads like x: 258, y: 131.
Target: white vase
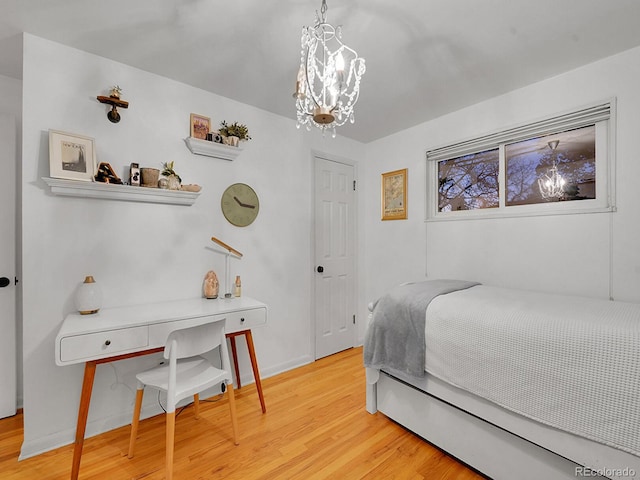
x: 88, y: 298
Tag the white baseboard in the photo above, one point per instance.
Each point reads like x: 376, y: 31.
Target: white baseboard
x: 31, y: 448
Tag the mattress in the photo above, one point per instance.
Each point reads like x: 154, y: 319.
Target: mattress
x: 567, y: 362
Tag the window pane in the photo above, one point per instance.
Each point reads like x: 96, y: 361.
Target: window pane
x: 469, y: 182
x: 539, y: 173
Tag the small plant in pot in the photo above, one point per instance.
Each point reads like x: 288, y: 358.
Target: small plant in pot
x: 173, y: 179
x: 234, y: 132
x: 115, y: 91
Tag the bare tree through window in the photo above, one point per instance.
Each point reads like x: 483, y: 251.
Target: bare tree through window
x: 469, y: 182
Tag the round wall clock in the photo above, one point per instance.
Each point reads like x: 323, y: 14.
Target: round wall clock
x: 240, y: 204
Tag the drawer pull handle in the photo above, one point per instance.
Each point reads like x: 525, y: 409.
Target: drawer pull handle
x: 241, y: 319
x: 107, y: 343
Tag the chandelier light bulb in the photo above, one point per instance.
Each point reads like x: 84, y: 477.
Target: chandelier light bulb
x: 339, y: 62
x: 551, y: 184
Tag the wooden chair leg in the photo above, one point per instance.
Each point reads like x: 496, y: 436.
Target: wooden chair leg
x: 196, y: 405
x: 135, y: 421
x: 171, y: 429
x: 232, y: 410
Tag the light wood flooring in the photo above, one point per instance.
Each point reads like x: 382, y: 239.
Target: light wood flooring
x: 316, y: 427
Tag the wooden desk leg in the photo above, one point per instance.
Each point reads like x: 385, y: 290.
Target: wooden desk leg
x: 254, y: 366
x: 83, y: 412
x: 234, y: 354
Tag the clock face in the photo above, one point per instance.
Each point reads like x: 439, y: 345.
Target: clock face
x: 240, y: 204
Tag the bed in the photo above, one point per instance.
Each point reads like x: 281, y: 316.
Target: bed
x: 516, y: 384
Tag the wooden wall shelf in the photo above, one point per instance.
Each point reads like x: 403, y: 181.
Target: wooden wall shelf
x: 212, y: 149
x: 110, y: 191
x: 115, y: 102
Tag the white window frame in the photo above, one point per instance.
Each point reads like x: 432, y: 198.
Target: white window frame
x: 602, y: 114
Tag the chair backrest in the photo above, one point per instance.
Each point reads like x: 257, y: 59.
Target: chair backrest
x: 197, y: 340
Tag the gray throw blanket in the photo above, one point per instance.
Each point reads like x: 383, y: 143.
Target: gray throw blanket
x: 395, y: 338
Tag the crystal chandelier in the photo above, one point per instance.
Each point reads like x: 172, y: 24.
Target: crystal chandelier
x: 328, y: 82
x: 551, y: 184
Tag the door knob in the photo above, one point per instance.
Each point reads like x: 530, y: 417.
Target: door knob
x: 4, y: 281
x: 320, y: 269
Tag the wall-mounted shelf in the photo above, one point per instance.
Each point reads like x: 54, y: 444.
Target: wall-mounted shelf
x: 212, y: 149
x: 115, y: 102
x: 110, y: 191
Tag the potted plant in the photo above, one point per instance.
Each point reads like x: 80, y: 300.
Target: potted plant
x: 234, y: 132
x: 115, y: 91
x: 173, y: 179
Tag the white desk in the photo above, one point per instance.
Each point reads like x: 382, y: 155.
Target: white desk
x: 123, y: 332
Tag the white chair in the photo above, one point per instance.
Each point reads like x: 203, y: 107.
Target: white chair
x: 187, y: 374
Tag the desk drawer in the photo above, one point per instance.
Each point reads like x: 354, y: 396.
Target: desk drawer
x: 245, y: 319
x: 103, y: 344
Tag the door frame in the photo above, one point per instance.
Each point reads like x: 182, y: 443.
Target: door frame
x: 346, y: 161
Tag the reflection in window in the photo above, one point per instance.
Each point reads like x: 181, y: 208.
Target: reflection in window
x: 469, y: 182
x: 529, y: 161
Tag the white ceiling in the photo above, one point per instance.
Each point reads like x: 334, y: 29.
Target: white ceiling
x: 424, y: 58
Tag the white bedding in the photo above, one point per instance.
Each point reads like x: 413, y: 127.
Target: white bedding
x: 569, y: 362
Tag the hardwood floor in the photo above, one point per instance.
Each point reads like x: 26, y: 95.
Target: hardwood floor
x: 316, y: 427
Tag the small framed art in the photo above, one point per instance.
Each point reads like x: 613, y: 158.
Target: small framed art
x: 71, y: 156
x: 200, y: 126
x: 394, y: 195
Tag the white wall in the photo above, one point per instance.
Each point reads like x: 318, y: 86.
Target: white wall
x: 147, y: 252
x: 596, y: 253
x: 11, y: 97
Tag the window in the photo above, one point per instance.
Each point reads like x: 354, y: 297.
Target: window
x: 559, y: 165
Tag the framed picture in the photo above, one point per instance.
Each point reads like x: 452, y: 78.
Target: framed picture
x: 71, y: 156
x: 200, y: 126
x: 394, y: 195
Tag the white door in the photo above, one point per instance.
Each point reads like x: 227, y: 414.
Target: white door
x: 7, y: 266
x: 334, y: 256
